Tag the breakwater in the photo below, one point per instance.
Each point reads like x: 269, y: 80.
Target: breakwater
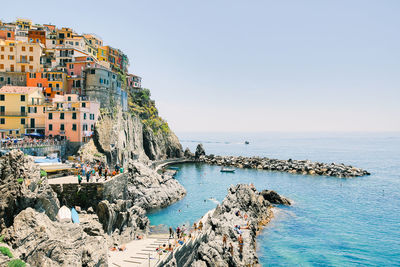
x: 304, y: 167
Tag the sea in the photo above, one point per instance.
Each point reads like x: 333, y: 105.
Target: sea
x: 332, y: 222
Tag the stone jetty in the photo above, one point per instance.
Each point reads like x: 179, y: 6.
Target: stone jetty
x: 304, y: 167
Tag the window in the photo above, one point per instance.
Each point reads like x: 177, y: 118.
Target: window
x: 92, y: 116
x: 84, y: 116
x: 35, y: 109
x: 92, y: 127
x: 71, y: 66
x: 84, y: 105
x: 73, y: 127
x: 61, y: 116
x: 2, y: 121
x: 1, y: 66
x: 1, y: 79
x: 2, y: 109
x: 50, y: 127
x: 2, y: 48
x: 22, y: 98
x: 31, y: 49
x: 101, y: 80
x: 23, y: 121
x: 58, y: 86
x: 50, y: 85
x: 1, y: 56
x: 10, y: 57
x: 39, y: 85
x: 69, y: 98
x: 11, y: 49
x: 50, y: 116
x: 8, y: 35
x: 23, y: 48
x: 74, y: 116
x: 23, y: 111
x: 30, y: 58
x: 61, y: 127
x: 92, y: 71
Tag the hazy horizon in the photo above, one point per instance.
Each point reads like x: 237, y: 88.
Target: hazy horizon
x: 259, y: 66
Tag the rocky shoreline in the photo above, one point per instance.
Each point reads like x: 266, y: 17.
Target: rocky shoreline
x: 244, y: 206
x: 304, y: 167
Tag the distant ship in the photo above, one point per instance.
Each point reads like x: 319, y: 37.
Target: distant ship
x: 246, y: 142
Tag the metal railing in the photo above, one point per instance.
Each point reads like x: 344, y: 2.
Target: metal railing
x: 13, y: 114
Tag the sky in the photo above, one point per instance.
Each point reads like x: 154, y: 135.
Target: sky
x: 250, y: 66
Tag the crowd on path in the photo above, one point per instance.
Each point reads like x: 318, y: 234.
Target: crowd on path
x: 95, y: 172
x: 27, y: 142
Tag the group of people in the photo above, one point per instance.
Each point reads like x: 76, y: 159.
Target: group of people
x: 93, y: 172
x: 27, y: 141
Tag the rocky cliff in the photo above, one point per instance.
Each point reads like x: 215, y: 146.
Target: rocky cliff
x: 243, y: 207
x: 121, y: 136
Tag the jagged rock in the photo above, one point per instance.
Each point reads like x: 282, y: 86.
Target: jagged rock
x: 42, y: 242
x: 274, y: 197
x: 21, y: 186
x: 199, y: 151
x: 149, y: 190
x: 243, y: 206
x: 122, y: 136
x: 89, y: 153
x: 123, y: 219
x: 188, y: 154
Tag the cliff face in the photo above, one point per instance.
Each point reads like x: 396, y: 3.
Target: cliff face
x: 122, y: 136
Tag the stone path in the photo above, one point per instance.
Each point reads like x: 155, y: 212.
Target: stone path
x: 137, y: 252
x: 73, y: 179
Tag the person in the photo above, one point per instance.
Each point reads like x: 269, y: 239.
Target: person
x: 100, y: 168
x: 224, y: 240
x: 87, y: 173
x: 116, y: 168
x: 240, y: 241
x: 195, y: 226
x: 79, y: 179
x: 200, y: 225
x: 231, y: 249
x: 171, y: 232
x: 105, y: 173
x: 178, y: 232
x: 121, y: 170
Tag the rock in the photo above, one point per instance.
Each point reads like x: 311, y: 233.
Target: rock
x: 199, y: 151
x: 275, y: 198
x: 21, y: 187
x: 149, y: 190
x: 42, y: 242
x: 207, y: 249
x: 188, y: 154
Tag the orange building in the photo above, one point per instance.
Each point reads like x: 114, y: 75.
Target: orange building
x: 37, y: 36
x: 7, y: 34
x: 53, y: 82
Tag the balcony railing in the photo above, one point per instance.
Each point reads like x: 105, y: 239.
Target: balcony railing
x: 36, y: 126
x: 23, y: 61
x: 13, y: 114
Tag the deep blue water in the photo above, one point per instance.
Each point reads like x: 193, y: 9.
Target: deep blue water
x: 333, y: 222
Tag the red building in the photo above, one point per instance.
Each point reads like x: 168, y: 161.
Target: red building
x: 37, y: 36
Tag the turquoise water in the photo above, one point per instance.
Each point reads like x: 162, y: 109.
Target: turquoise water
x: 333, y: 222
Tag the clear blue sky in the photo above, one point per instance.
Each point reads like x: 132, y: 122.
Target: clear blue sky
x: 299, y: 65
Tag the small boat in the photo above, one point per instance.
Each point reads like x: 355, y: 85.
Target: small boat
x: 246, y: 142
x: 225, y: 169
x: 173, y: 168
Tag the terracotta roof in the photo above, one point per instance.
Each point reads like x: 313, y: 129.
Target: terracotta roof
x: 18, y: 89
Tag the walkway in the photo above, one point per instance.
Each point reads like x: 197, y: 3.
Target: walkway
x: 73, y: 179
x: 139, y: 252
x: 162, y: 163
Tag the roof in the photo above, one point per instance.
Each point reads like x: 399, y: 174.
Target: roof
x: 18, y: 89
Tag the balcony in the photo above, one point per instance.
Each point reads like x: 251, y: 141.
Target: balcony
x: 36, y: 126
x: 23, y: 61
x: 13, y: 114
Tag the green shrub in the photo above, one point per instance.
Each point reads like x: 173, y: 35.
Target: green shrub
x: 2, y: 238
x: 6, y: 252
x: 16, y: 263
x: 43, y: 173
x: 20, y: 180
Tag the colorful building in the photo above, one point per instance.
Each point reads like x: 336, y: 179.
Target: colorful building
x: 134, y: 81
x: 14, y: 103
x: 37, y: 36
x: 7, y: 33
x: 20, y: 57
x: 23, y: 24
x: 52, y: 82
x: 72, y: 117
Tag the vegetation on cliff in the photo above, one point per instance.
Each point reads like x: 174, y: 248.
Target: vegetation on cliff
x: 144, y: 107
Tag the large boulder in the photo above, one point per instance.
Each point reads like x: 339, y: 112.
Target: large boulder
x: 149, y: 190
x: 21, y: 187
x: 274, y: 198
x: 199, y: 151
x: 42, y: 242
x: 188, y: 154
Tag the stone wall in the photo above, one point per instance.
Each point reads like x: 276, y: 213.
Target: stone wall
x: 13, y: 78
x: 88, y: 195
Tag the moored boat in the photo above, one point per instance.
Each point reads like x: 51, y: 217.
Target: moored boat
x: 225, y: 169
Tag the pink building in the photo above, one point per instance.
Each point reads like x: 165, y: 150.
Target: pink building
x: 72, y: 118
x: 75, y: 70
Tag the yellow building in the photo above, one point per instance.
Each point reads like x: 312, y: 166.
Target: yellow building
x: 24, y: 24
x: 15, y: 102
x: 17, y: 56
x: 102, y: 53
